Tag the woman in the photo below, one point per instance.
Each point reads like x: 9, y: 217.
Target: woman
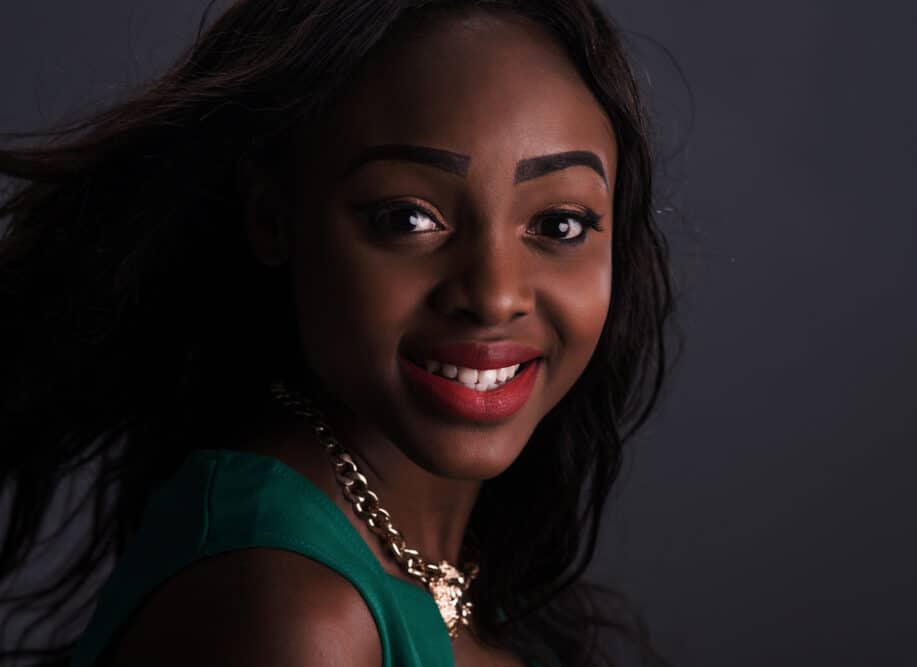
x: 334, y: 307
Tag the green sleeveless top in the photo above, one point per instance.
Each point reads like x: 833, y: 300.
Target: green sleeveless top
x: 220, y: 500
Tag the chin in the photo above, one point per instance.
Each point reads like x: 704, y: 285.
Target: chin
x: 463, y: 454
x: 454, y: 446
x: 442, y: 444
x: 471, y: 466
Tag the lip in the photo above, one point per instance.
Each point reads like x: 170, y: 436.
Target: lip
x: 482, y: 356
x: 456, y: 400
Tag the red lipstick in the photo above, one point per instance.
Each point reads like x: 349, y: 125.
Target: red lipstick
x: 457, y: 400
x: 478, y: 355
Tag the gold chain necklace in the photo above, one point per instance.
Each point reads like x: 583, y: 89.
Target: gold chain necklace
x: 445, y: 582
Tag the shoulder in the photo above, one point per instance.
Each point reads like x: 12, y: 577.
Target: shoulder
x: 252, y: 607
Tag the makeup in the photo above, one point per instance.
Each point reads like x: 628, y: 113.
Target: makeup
x: 457, y: 400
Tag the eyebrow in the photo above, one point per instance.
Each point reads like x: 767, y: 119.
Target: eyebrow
x: 458, y: 163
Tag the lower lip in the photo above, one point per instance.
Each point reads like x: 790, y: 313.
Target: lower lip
x: 480, y: 406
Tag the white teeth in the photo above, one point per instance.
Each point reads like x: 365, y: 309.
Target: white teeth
x: 486, y: 379
x: 483, y: 380
x: 468, y: 376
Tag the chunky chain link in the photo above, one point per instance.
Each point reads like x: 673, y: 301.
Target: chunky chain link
x: 356, y: 489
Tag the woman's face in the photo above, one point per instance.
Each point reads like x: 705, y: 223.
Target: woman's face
x: 472, y: 237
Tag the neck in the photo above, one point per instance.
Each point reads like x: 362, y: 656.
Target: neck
x: 432, y: 512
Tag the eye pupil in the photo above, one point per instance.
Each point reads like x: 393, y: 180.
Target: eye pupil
x: 565, y: 225
x: 402, y: 220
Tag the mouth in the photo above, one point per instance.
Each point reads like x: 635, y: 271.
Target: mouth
x: 476, y: 379
x: 477, y: 395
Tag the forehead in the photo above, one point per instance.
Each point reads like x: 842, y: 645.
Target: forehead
x: 497, y: 88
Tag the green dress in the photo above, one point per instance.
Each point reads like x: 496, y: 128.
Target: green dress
x: 220, y: 500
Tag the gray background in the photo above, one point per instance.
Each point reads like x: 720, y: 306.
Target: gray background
x: 765, y: 516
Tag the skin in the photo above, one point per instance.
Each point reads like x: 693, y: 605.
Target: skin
x: 487, y: 266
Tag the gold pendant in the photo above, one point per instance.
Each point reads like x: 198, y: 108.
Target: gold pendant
x: 448, y: 591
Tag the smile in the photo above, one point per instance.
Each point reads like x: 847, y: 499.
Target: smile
x: 473, y: 378
x: 471, y: 394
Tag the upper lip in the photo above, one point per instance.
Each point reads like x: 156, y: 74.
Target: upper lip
x: 481, y: 356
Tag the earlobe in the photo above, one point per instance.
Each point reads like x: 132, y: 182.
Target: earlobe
x: 265, y: 221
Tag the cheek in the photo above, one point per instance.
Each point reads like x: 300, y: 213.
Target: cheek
x: 578, y: 302
x: 352, y: 304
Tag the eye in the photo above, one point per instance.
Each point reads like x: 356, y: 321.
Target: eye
x: 569, y: 227
x: 402, y: 219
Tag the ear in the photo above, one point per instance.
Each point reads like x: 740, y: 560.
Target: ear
x: 266, y: 221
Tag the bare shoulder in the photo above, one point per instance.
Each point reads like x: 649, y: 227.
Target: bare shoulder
x: 252, y: 607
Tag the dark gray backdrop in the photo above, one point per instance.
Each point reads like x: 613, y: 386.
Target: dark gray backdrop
x: 765, y: 516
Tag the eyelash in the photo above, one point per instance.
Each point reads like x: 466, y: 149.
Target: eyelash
x: 587, y: 218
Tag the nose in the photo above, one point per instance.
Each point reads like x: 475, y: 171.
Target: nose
x: 487, y: 280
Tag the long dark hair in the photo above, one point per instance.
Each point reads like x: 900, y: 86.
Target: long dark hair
x: 127, y: 286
